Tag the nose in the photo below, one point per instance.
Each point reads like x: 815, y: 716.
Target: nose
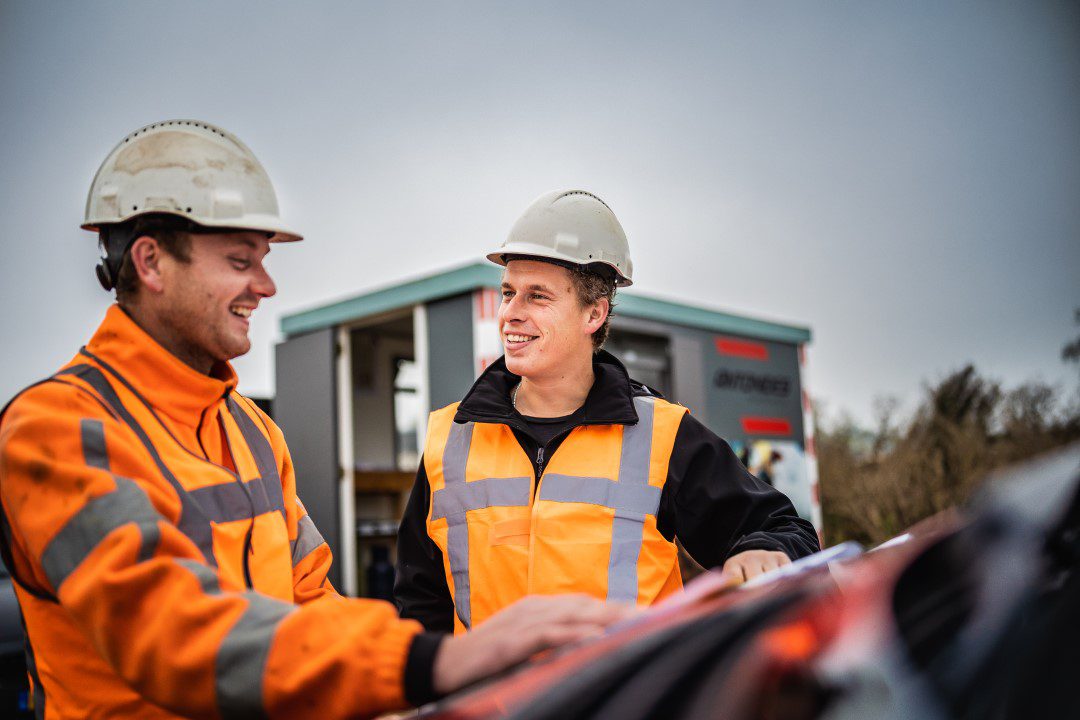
x: 262, y: 284
x: 512, y: 310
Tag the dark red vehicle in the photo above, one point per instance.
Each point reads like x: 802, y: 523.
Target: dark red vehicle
x: 973, y: 615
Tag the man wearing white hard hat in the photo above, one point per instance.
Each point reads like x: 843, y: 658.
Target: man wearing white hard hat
x: 558, y: 472
x: 164, y: 565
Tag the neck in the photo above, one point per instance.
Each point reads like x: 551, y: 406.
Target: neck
x: 558, y: 395
x: 165, y: 335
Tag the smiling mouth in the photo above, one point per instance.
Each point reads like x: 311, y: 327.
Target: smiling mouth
x: 240, y: 311
x: 518, y: 339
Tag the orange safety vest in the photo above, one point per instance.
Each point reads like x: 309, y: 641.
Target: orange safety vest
x: 164, y: 564
x: 588, y: 525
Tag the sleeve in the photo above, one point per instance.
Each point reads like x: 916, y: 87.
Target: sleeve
x: 718, y: 509
x: 93, y: 523
x: 311, y: 555
x: 420, y: 589
x: 311, y: 559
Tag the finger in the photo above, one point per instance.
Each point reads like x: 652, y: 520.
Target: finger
x: 554, y: 636
x: 752, y: 570
x: 585, y: 609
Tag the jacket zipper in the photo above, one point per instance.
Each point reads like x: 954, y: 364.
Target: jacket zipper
x: 539, y: 462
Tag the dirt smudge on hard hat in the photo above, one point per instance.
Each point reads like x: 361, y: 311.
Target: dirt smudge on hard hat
x: 38, y: 470
x: 176, y: 150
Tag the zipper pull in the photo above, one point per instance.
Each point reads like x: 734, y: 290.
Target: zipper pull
x: 540, y: 460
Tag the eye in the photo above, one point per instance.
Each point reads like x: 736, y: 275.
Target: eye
x: 240, y: 263
x: 507, y: 294
x: 538, y: 296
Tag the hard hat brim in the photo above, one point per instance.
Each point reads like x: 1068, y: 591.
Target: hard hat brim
x: 253, y: 223
x: 540, y: 252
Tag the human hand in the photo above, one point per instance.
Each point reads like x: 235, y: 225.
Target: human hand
x: 752, y: 563
x: 518, y: 632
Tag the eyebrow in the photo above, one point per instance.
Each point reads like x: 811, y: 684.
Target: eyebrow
x: 252, y: 245
x: 534, y: 287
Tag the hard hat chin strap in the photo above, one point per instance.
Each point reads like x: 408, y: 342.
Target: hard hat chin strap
x: 113, y: 241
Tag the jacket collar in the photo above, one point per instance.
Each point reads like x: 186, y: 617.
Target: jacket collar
x: 609, y: 402
x: 169, y: 385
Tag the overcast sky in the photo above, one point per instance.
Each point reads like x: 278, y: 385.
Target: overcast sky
x: 903, y: 178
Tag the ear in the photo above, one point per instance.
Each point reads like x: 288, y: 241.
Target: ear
x: 598, y: 313
x: 146, y: 257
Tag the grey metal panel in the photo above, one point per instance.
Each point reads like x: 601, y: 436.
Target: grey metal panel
x: 740, y: 387
x: 450, y: 349
x: 688, y: 374
x: 306, y: 411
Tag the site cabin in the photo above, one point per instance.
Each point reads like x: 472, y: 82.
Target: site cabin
x: 356, y: 380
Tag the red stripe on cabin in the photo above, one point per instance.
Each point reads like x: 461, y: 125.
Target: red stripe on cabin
x: 487, y: 304
x: 741, y: 348
x: 766, y: 426
x: 478, y: 304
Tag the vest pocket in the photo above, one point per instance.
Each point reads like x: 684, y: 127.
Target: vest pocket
x: 510, y: 532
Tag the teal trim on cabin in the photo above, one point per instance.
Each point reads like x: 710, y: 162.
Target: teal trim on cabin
x: 406, y: 294
x: 672, y: 313
x: 477, y: 275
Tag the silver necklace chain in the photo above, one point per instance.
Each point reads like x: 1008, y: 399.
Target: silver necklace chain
x: 513, y: 396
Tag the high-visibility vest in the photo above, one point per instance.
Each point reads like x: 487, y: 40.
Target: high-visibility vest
x: 167, y: 569
x: 587, y: 526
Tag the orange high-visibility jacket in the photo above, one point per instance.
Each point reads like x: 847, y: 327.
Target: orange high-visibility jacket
x: 165, y: 565
x: 589, y: 526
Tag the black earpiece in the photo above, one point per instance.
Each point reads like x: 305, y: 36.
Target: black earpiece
x: 113, y: 240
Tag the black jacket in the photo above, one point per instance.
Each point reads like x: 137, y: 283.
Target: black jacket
x: 709, y: 501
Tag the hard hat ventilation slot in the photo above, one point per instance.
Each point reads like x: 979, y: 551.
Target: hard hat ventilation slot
x: 568, y: 193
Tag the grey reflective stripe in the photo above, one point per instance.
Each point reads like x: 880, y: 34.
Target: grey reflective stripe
x: 193, y: 521
x: 628, y: 527
x: 93, y: 523
x: 241, y: 658
x: 264, y: 456
x: 631, y: 496
x: 208, y: 579
x: 307, y: 539
x: 96, y: 455
x: 229, y: 501
x: 453, y: 501
x: 457, y: 497
x: 643, y: 499
x: 455, y: 457
x: 93, y: 443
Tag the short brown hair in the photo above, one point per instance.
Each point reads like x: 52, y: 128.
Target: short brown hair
x: 172, y: 236
x: 590, y: 287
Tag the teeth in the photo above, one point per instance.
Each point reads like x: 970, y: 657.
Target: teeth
x: 241, y: 311
x: 518, y: 338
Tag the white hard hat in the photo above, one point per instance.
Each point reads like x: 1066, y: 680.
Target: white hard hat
x: 571, y: 227
x: 190, y: 169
